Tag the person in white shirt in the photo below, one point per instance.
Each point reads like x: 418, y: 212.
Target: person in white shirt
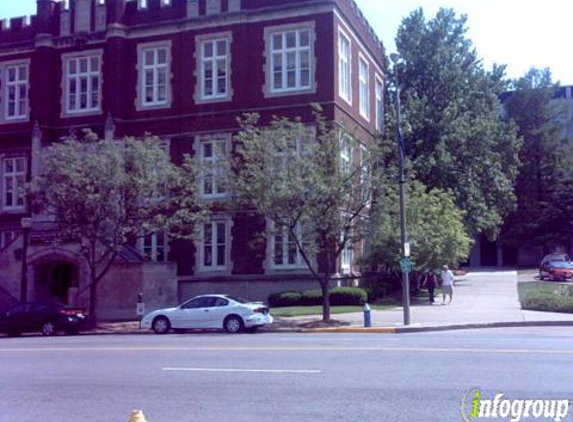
x: 447, y: 284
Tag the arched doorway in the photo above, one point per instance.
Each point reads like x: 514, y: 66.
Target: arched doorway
x: 56, y: 281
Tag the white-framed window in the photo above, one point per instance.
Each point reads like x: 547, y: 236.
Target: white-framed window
x: 154, y: 247
x: 344, y: 67
x: 364, y: 88
x: 13, y: 180
x: 365, y: 175
x: 7, y: 237
x: 154, y: 62
x: 284, y: 149
x: 379, y: 104
x: 347, y: 257
x: 212, y: 152
x: 345, y: 155
x: 290, y: 56
x: 214, y: 68
x: 82, y: 83
x: 214, y: 247
x: 283, y: 251
x: 15, y: 78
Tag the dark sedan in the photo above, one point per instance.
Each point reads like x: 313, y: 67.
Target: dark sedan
x: 45, y: 318
x: 556, y: 267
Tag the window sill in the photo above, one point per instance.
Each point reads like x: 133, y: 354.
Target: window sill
x: 346, y: 100
x: 151, y: 107
x: 290, y: 92
x: 214, y: 272
x: 82, y: 113
x: 14, y: 120
x: 213, y: 100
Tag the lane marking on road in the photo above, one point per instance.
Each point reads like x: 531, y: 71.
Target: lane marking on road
x: 286, y: 349
x: 267, y: 371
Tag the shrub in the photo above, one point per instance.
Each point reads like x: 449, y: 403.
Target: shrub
x: 348, y: 296
x: 547, y: 301
x: 282, y: 299
x: 339, y: 296
x: 312, y: 297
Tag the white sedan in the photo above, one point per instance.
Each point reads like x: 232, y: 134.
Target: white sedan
x: 210, y: 312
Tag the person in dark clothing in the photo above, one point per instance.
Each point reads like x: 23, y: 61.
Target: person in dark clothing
x: 431, y: 284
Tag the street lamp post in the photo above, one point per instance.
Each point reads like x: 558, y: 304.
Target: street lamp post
x: 26, y: 224
x: 402, y: 180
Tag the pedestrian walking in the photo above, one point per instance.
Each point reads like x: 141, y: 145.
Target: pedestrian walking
x: 431, y: 284
x: 447, y: 284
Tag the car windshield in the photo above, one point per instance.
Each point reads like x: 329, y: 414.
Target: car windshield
x: 239, y: 299
x: 561, y: 264
x: 557, y: 258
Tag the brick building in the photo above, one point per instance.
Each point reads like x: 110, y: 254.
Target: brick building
x: 183, y: 70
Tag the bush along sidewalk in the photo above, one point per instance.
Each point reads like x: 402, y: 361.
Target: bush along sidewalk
x: 547, y: 297
x: 339, y: 296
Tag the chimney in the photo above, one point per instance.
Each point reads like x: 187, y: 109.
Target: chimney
x: 45, y: 8
x: 82, y: 15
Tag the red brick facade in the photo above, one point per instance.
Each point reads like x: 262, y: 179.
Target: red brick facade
x: 100, y: 61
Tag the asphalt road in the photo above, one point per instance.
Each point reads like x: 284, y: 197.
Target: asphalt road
x: 277, y: 377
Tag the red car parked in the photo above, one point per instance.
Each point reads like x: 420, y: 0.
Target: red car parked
x: 556, y: 267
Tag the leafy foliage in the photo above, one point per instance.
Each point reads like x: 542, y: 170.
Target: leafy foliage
x: 305, y: 180
x: 435, y: 229
x: 104, y: 194
x: 544, y: 211
x: 455, y: 137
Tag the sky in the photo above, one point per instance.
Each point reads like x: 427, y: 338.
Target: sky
x: 518, y: 33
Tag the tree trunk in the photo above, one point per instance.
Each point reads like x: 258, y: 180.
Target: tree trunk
x: 92, y: 318
x: 325, y: 285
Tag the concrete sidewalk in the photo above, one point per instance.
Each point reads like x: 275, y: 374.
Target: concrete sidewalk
x: 481, y: 299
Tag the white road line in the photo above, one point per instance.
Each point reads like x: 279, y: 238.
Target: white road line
x: 267, y: 371
x: 412, y: 349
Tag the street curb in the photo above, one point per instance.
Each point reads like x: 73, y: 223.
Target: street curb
x: 353, y: 330
x: 372, y: 330
x: 451, y: 327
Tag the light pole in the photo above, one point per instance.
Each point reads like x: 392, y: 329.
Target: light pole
x: 402, y: 180
x: 26, y: 224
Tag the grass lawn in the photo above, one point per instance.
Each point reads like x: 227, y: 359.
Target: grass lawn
x: 524, y: 289
x: 293, y: 311
x: 548, y: 297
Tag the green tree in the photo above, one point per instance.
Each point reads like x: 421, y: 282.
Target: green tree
x: 307, y: 185
x: 104, y: 194
x: 455, y: 138
x: 541, y: 217
x: 435, y: 225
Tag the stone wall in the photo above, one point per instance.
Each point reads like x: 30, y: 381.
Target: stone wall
x: 117, y: 293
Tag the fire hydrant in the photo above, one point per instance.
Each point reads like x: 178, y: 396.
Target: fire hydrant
x: 137, y: 416
x: 367, y: 315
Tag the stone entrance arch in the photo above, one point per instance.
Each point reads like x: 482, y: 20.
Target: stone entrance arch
x: 56, y: 275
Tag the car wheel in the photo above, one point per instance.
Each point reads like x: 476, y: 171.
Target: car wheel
x: 48, y: 328
x: 161, y: 325
x: 234, y: 324
x: 251, y: 330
